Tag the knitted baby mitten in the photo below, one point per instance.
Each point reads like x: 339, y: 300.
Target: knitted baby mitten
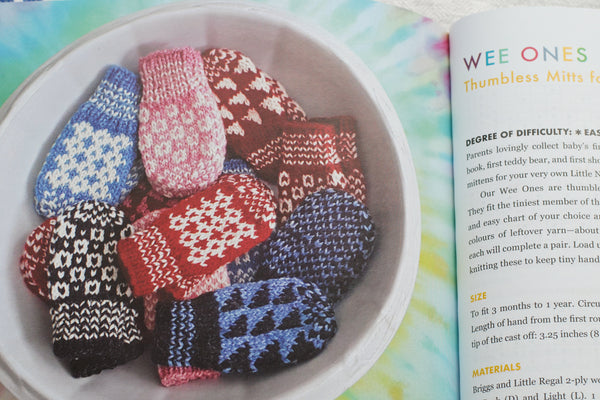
x: 143, y: 200
x: 95, y: 320
x: 252, y: 105
x: 245, y: 328
x: 346, y: 146
x: 92, y: 157
x: 33, y: 262
x: 309, y: 162
x: 181, y: 136
x: 199, y: 234
x: 237, y: 271
x: 327, y: 240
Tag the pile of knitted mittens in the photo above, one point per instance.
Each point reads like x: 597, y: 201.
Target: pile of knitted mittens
x: 196, y: 211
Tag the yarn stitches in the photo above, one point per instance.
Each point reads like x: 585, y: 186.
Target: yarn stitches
x: 199, y: 234
x: 93, y: 156
x: 245, y: 328
x: 327, y: 240
x: 93, y: 313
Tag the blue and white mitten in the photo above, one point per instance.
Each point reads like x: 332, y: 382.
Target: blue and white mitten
x: 93, y: 157
x: 245, y: 328
x: 327, y: 240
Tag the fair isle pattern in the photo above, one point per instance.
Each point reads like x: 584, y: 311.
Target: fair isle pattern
x: 309, y: 163
x: 244, y: 268
x: 245, y: 328
x: 94, y: 315
x: 252, y: 105
x: 93, y: 156
x: 158, y: 266
x: 327, y: 240
x: 82, y: 321
x: 181, y: 137
x: 347, y: 148
x: 200, y: 234
x: 34, y: 259
x: 268, y: 325
x: 198, y: 227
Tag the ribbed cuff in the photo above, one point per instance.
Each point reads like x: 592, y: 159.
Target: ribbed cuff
x: 143, y: 278
x: 115, y: 103
x: 168, y: 74
x: 172, y: 376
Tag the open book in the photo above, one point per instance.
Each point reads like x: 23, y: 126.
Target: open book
x: 525, y: 91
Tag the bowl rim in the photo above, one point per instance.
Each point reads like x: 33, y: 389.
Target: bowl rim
x: 370, y: 347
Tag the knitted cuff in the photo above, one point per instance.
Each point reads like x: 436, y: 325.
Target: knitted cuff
x: 172, y: 376
x: 101, y: 329
x: 171, y: 73
x: 115, y: 103
x: 34, y: 260
x: 148, y: 262
x: 346, y: 146
x: 308, y: 145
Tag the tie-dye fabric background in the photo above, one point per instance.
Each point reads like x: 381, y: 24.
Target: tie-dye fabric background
x: 408, y: 54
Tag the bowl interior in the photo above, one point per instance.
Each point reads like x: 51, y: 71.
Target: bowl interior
x: 326, y: 80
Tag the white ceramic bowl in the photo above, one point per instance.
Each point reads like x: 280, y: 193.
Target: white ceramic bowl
x: 327, y: 80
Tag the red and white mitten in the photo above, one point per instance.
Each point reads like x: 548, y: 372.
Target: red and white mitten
x: 199, y: 234
x: 253, y: 106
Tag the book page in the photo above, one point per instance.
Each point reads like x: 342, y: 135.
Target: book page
x: 526, y: 138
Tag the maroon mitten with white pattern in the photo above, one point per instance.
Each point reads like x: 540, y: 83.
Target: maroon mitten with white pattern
x: 346, y: 146
x: 253, y: 106
x: 309, y: 163
x: 33, y: 262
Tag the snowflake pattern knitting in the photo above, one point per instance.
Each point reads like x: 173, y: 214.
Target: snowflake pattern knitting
x: 200, y: 234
